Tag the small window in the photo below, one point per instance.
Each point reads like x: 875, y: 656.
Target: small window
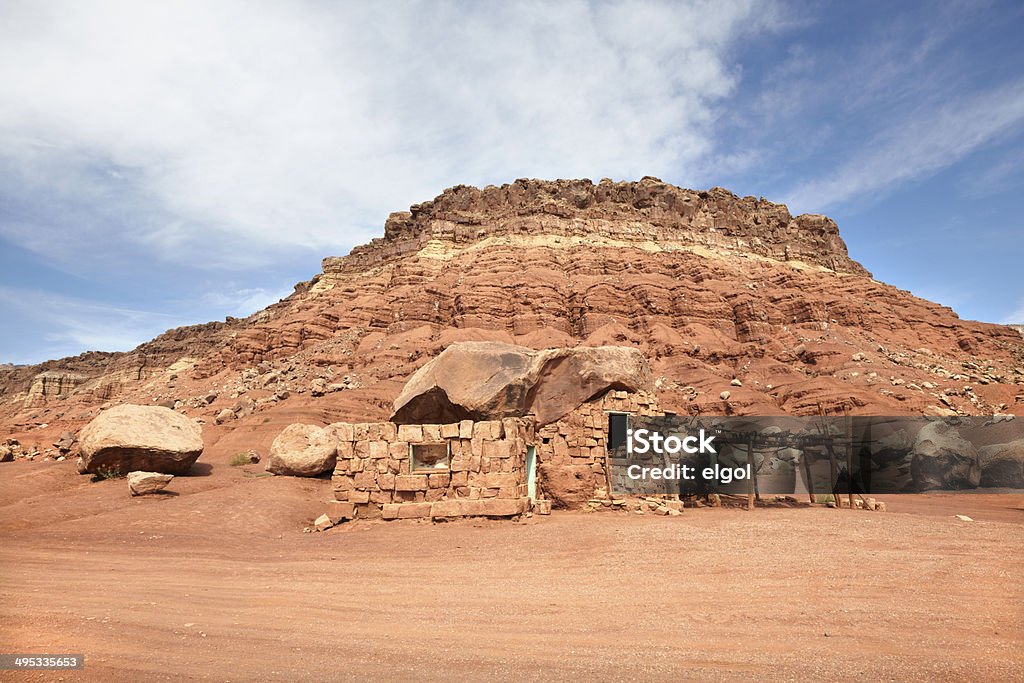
x: 430, y: 456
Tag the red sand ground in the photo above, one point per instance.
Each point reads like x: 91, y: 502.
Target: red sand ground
x: 218, y: 582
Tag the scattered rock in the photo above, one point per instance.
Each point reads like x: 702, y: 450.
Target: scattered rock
x: 736, y: 382
x: 128, y: 438
x: 244, y: 407
x: 302, y: 450
x: 725, y: 395
x: 322, y: 523
x: 339, y: 511
x: 141, y: 483
x: 223, y: 416
x: 964, y: 518
x: 65, y: 442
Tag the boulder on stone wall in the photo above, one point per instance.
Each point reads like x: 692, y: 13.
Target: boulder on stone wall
x: 491, y: 380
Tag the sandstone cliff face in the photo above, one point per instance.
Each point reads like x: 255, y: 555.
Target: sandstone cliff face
x: 649, y: 214
x: 739, y: 306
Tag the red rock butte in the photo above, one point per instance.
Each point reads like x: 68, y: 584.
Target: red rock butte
x: 740, y: 307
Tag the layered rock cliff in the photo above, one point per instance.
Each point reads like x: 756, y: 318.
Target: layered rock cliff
x: 740, y: 307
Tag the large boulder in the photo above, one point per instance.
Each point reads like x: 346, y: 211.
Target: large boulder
x: 492, y: 380
x: 942, y: 459
x: 567, y: 486
x: 127, y: 438
x: 302, y: 450
x: 1002, y: 464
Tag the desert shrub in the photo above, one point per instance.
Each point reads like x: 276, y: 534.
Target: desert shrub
x: 240, y: 458
x: 109, y: 473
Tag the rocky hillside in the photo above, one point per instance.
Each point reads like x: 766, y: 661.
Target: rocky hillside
x: 740, y: 306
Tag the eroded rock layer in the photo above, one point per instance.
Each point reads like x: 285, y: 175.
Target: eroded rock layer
x: 740, y: 308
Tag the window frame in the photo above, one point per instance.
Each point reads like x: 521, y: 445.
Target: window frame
x: 413, y: 469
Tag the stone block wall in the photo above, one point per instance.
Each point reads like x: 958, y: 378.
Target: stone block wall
x: 486, y: 474
x: 571, y: 451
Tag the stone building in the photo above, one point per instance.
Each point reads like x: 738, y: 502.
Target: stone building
x: 492, y: 430
x: 458, y: 469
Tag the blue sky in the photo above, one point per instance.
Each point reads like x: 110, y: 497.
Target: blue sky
x: 166, y: 165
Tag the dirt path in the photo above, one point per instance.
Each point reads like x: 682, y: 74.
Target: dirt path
x: 219, y: 583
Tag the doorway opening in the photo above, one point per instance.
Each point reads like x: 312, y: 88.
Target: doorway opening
x: 531, y: 472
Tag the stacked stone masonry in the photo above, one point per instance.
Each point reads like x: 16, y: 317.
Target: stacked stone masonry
x: 575, y: 447
x: 486, y: 475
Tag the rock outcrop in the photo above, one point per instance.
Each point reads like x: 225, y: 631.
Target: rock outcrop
x: 130, y: 438
x: 648, y: 212
x: 303, y: 450
x: 52, y: 384
x: 740, y: 308
x: 490, y: 380
x: 943, y: 459
x: 1002, y: 465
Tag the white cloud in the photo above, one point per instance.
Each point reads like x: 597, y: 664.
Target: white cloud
x: 1001, y: 175
x: 241, y: 302
x: 300, y: 125
x: 66, y: 325
x: 916, y: 147
x: 1015, y: 317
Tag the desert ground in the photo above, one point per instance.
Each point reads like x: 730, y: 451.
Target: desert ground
x: 218, y: 581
